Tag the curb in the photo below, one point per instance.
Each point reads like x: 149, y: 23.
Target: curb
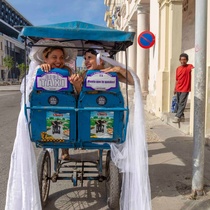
x: 10, y: 88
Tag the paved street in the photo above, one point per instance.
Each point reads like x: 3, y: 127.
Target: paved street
x: 63, y: 195
x: 9, y: 106
x: 170, y: 160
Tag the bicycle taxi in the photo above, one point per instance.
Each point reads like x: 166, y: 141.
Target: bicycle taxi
x: 57, y: 118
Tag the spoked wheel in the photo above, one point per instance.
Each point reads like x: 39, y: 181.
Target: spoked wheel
x: 44, y: 174
x: 113, y: 183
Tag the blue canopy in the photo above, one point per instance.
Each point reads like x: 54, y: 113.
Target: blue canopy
x: 80, y: 31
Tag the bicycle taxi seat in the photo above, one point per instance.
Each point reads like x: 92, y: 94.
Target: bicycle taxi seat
x: 101, y: 109
x: 52, y: 104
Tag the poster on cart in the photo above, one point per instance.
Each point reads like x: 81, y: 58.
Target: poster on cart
x: 58, y: 125
x: 101, y: 81
x: 101, y: 124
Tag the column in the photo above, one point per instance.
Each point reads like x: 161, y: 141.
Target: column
x: 170, y: 42
x: 131, y: 60
x: 143, y: 54
x: 132, y: 49
x: 207, y: 80
x: 123, y: 57
x: 118, y: 57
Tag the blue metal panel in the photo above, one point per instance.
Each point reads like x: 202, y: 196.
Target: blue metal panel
x: 77, y: 30
x: 101, y: 122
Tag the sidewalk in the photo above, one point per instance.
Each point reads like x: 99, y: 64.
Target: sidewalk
x: 170, y: 165
x: 9, y: 87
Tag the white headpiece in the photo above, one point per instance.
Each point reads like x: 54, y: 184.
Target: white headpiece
x: 100, y: 53
x: 36, y: 53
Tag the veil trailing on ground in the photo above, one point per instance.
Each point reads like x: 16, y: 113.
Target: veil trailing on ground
x: 131, y: 157
x: 22, y: 187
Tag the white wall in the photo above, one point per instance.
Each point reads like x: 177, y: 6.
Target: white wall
x: 188, y: 31
x: 153, y: 54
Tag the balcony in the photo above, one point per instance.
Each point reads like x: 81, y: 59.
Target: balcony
x: 107, y: 2
x: 123, y: 10
x: 107, y: 16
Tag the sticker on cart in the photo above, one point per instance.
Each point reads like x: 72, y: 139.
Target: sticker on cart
x: 58, y: 126
x: 101, y: 124
x: 52, y: 82
x: 101, y: 81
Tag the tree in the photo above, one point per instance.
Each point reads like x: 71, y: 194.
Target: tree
x: 22, y: 67
x: 8, y: 63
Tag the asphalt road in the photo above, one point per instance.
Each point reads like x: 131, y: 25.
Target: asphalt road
x: 9, y: 106
x: 63, y: 196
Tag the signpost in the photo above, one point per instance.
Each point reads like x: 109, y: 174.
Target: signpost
x: 146, y: 39
x: 199, y: 96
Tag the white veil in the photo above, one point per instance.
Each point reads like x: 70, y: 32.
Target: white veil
x: 131, y: 157
x: 22, y: 188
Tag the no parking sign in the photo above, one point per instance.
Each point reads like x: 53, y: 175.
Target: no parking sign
x: 146, y: 39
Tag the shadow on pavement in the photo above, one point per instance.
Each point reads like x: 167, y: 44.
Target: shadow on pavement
x: 197, y: 205
x: 90, y: 197
x: 171, y: 171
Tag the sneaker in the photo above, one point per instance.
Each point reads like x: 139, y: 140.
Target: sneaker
x: 176, y: 120
x: 182, y: 118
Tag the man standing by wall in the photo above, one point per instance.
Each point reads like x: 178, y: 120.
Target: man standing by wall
x: 183, y: 86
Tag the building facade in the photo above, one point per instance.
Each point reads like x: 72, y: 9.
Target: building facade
x: 10, y: 18
x: 173, y: 24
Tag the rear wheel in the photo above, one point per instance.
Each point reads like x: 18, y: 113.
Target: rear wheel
x: 44, y: 174
x: 113, y: 183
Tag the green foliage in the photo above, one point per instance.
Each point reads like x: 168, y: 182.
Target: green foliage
x: 110, y: 123
x: 49, y: 123
x: 22, y: 68
x: 92, y: 122
x: 66, y: 126
x: 8, y: 62
x: 109, y: 126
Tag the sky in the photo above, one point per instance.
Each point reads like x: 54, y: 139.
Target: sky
x: 42, y: 12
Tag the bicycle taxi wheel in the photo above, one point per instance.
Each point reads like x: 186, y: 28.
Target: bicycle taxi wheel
x: 44, y: 174
x: 113, y: 183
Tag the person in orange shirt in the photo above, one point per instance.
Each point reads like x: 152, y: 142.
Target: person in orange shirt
x: 182, y: 86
